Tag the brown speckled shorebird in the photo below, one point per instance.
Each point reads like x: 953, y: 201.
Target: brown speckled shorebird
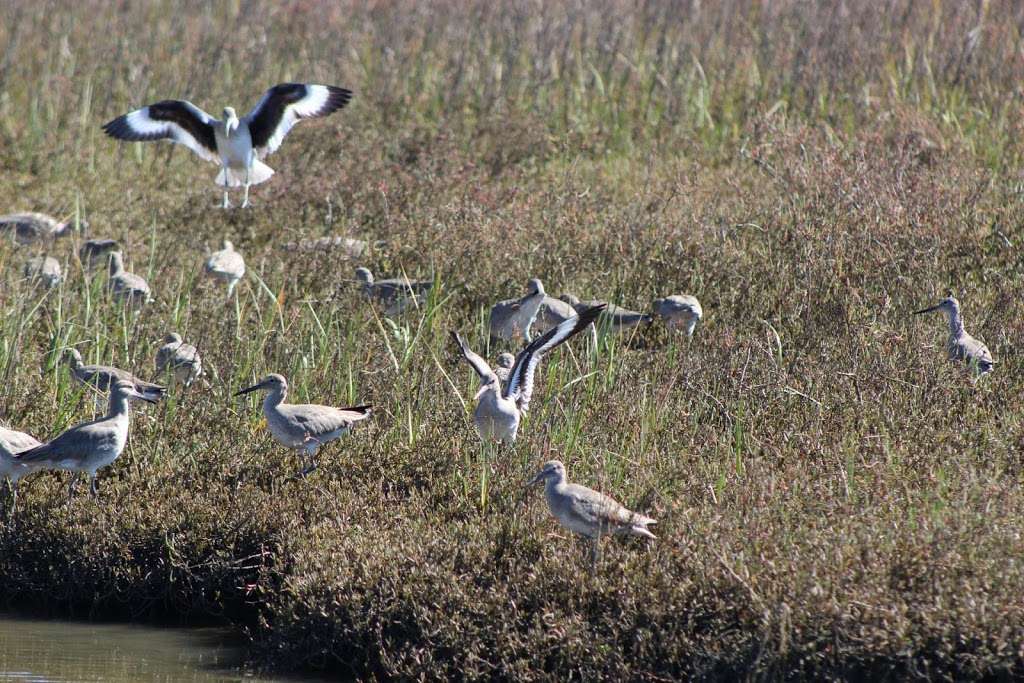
x: 587, y: 512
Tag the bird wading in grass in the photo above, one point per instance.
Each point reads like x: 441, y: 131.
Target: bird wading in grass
x: 499, y: 409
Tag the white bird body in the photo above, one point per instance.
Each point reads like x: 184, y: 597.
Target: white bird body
x: 90, y: 446
x: 304, y: 426
x: 237, y: 144
x: 961, y: 346
x: 680, y: 311
x: 13, y: 443
x: 552, y: 313
x: 499, y: 409
x: 587, y: 512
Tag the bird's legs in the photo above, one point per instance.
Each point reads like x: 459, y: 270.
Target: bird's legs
x: 595, y: 551
x: 309, y: 450
x: 11, y: 491
x: 245, y: 197
x: 71, y: 487
x: 94, y: 488
x: 227, y: 203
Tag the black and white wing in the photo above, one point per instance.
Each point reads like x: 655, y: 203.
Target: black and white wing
x: 284, y: 105
x: 175, y: 120
x: 520, y: 380
x: 479, y: 364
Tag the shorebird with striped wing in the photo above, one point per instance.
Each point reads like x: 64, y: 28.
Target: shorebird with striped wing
x: 499, y: 409
x: 238, y: 144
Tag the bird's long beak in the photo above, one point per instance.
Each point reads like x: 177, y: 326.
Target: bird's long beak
x: 140, y: 396
x: 927, y: 310
x: 538, y: 477
x: 254, y: 387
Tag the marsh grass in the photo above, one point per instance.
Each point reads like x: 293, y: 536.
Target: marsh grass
x: 834, y: 499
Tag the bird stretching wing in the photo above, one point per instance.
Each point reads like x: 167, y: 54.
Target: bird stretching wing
x: 284, y: 105
x: 520, y: 380
x: 176, y: 120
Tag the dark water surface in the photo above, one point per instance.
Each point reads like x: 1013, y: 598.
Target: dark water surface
x: 43, y: 650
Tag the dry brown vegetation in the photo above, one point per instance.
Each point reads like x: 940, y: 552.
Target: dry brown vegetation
x: 834, y: 499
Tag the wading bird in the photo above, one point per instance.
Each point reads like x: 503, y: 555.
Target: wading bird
x: 587, y: 512
x: 499, y: 409
x: 680, y: 311
x: 91, y: 445
x: 226, y: 265
x: 103, y: 377
x: 127, y: 288
x: 12, y: 468
x: 29, y: 227
x: 962, y: 346
x: 303, y: 426
x: 512, y: 319
x: 504, y: 365
x: 180, y: 358
x: 237, y: 144
x: 393, y: 292
x: 94, y: 253
x: 44, y: 269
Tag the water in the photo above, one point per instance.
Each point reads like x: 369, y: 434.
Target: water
x: 40, y: 651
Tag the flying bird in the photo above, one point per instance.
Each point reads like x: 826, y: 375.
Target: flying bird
x: 238, y: 144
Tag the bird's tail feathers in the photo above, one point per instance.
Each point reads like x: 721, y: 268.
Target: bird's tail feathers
x: 259, y: 173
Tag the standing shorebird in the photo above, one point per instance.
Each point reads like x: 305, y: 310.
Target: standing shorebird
x: 180, y: 358
x: 499, y: 409
x: 89, y: 446
x: 26, y: 228
x: 44, y: 269
x: 395, y: 293
x: 962, y: 346
x: 237, y: 144
x: 127, y: 287
x: 512, y: 319
x: 226, y: 265
x: 13, y: 468
x: 103, y: 377
x: 303, y: 426
x: 587, y: 512
x: 680, y: 311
